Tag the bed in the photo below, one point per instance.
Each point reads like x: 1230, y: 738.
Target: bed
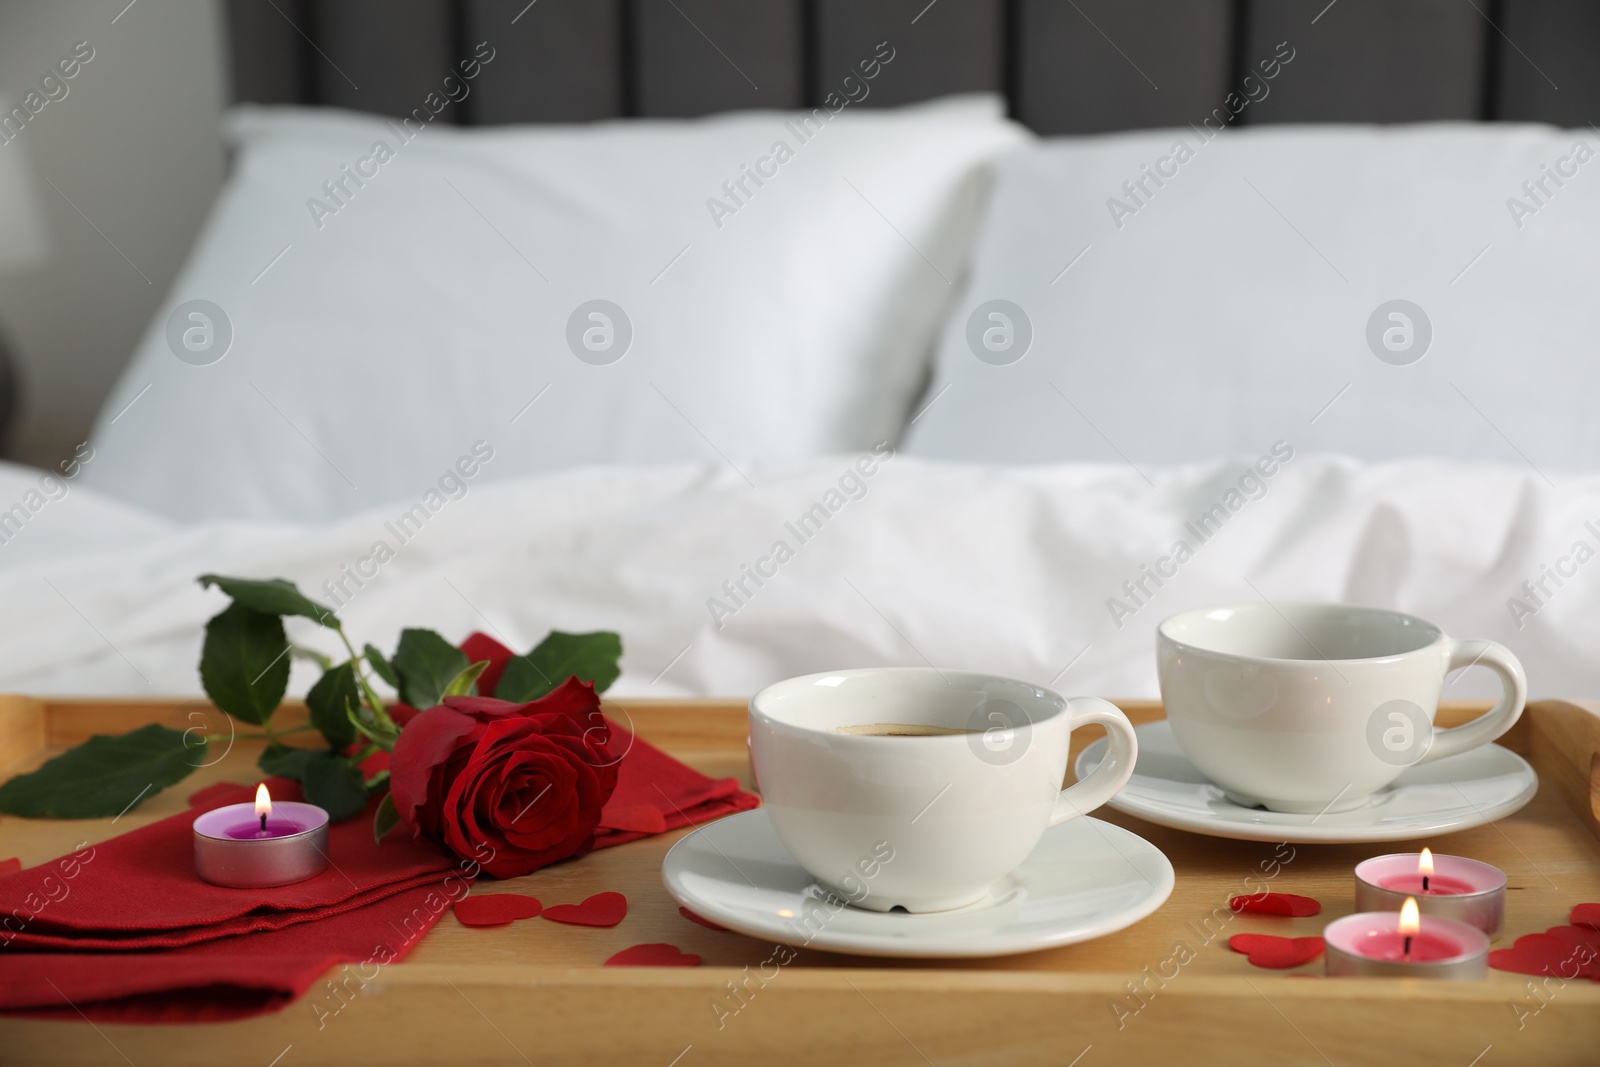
x: 946, y: 385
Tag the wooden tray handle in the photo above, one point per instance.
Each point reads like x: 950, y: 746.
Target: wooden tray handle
x: 1565, y: 744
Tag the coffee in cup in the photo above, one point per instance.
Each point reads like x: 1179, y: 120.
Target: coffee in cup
x: 902, y: 729
x: 955, y: 775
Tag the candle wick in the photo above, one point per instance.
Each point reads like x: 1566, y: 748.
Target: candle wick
x: 1408, y: 947
x: 263, y: 822
x: 1424, y: 883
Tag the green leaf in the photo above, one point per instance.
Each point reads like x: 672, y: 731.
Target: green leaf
x: 386, y: 818
x: 285, y: 761
x: 382, y: 666
x: 244, y: 664
x: 462, y: 684
x: 376, y: 782
x: 329, y: 699
x: 105, y: 776
x: 273, y: 596
x: 381, y: 732
x: 426, y: 664
x: 333, y: 783
x: 586, y: 657
x: 311, y: 655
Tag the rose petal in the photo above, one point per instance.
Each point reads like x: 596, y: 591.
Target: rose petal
x: 1276, y: 904
x: 1277, y: 953
x: 573, y: 702
x: 1586, y: 915
x: 402, y: 714
x: 480, y: 646
x: 602, y: 909
x: 653, y: 955
x: 485, y: 709
x: 426, y: 743
x: 496, y: 909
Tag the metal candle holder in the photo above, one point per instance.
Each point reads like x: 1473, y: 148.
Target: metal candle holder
x: 259, y: 862
x: 1484, y: 907
x: 1342, y: 936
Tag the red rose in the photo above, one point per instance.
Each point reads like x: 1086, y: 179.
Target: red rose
x: 480, y: 646
x: 527, y: 780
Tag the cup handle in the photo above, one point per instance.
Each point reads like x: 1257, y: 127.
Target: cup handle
x: 1498, y: 719
x: 1115, y: 769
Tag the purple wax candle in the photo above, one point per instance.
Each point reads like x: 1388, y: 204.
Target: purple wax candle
x: 255, y: 830
x: 268, y: 843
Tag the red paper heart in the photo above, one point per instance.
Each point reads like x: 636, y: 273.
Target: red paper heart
x: 1577, y: 935
x: 1586, y: 915
x: 496, y: 909
x: 654, y: 955
x: 12, y: 866
x: 692, y: 917
x: 1277, y: 904
x: 602, y: 909
x: 1562, y: 951
x: 1278, y: 953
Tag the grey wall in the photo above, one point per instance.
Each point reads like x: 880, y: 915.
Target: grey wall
x: 134, y: 146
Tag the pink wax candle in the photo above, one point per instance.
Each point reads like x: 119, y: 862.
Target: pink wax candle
x: 1395, y: 947
x: 1451, y: 887
x: 1414, y: 885
x: 1405, y: 943
x: 1427, y: 880
x: 245, y: 846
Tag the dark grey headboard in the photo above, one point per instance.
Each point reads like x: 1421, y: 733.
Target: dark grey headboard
x: 1066, y: 66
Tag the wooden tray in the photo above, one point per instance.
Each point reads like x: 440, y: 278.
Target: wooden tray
x: 534, y: 992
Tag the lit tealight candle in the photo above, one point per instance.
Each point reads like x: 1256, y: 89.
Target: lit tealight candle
x: 252, y: 846
x: 1451, y: 887
x: 1426, y: 882
x: 1383, y: 944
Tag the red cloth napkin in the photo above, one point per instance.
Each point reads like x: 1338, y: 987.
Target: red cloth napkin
x: 226, y: 978
x: 656, y: 793
x: 139, y: 890
x: 190, y: 951
x: 131, y: 935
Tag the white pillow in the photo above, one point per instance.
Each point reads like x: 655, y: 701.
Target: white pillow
x: 1228, y: 306
x: 420, y: 312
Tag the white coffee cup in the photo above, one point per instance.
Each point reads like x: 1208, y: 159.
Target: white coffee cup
x: 924, y: 823
x: 1311, y: 708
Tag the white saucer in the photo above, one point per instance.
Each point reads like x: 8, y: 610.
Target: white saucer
x: 1085, y: 879
x: 1456, y: 793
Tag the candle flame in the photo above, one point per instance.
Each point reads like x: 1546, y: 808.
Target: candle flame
x: 1410, y: 918
x: 1425, y: 863
x: 263, y: 801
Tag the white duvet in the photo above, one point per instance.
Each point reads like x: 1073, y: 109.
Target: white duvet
x: 1016, y: 570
